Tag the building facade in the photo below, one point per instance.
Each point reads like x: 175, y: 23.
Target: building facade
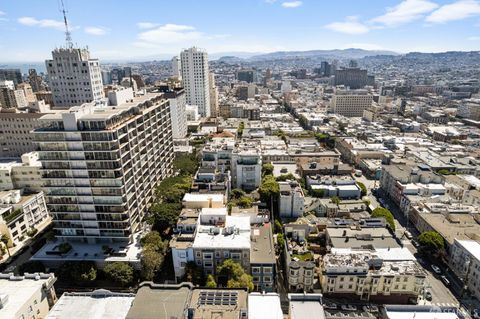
x: 351, y: 103
x: 291, y: 200
x: 74, y: 77
x: 194, y: 66
x: 15, y: 133
x: 101, y: 164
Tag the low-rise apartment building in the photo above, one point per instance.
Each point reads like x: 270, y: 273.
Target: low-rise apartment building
x: 465, y: 263
x: 291, y: 200
x: 387, y: 276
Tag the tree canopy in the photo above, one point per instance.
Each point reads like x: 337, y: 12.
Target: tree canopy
x: 185, y: 164
x: 236, y: 276
x: 164, y: 215
x: 119, y: 272
x: 267, y: 169
x: 431, y: 241
x: 153, y: 254
x: 363, y: 188
x: 268, y: 188
x: 385, y: 213
x: 285, y: 177
x: 78, y: 271
x: 194, y: 274
x: 211, y: 282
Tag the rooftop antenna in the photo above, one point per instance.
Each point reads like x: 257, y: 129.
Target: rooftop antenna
x: 68, y: 35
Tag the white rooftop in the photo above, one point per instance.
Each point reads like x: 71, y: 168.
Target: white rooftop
x: 420, y: 315
x: 99, y: 304
x: 264, y: 306
x: 193, y: 197
x: 18, y: 293
x: 209, y: 236
x: 472, y: 246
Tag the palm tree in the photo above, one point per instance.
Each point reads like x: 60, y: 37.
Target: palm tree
x: 5, y: 239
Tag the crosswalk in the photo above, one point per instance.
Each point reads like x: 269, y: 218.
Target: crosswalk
x: 445, y: 304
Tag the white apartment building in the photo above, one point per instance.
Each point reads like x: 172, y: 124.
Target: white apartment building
x: 218, y: 154
x: 291, y: 200
x: 383, y: 275
x: 176, y: 67
x: 213, y: 95
x: 194, y: 66
x: 15, y: 133
x: 74, y: 77
x: 28, y: 296
x: 219, y: 237
x: 25, y: 174
x: 351, y: 103
x: 246, y: 167
x: 101, y: 165
x: 465, y: 263
x: 19, y: 215
x: 469, y: 109
x: 178, y: 113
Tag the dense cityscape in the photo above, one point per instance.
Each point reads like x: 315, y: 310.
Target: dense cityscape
x: 331, y: 184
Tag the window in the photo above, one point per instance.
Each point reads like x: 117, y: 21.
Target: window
x: 267, y: 279
x: 267, y: 270
x: 255, y: 270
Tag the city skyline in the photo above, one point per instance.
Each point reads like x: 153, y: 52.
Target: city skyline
x: 123, y: 31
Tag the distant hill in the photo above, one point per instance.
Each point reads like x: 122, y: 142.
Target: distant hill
x: 341, y: 54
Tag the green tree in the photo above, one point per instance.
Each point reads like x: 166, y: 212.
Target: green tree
x: 153, y: 240
x: 267, y: 169
x: 286, y: 177
x: 119, y: 272
x: 318, y: 193
x: 5, y: 240
x: 151, y: 262
x: 31, y: 266
x: 194, y: 274
x: 235, y: 274
x: 78, y: 271
x: 164, y: 215
x: 211, y: 282
x: 185, y: 164
x: 245, y: 202
x: 385, y: 213
x: 363, y: 188
x: 278, y: 227
x: 280, y: 242
x: 237, y: 193
x: 431, y: 241
x: 335, y: 200
x: 268, y: 188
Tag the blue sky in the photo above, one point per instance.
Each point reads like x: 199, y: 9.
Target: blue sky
x: 119, y: 29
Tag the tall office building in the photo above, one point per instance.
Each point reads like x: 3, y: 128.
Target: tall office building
x: 351, y: 103
x: 74, y: 77
x: 176, y: 67
x: 101, y: 165
x: 14, y: 75
x: 353, y: 77
x: 35, y: 80
x: 11, y: 98
x: 248, y: 76
x: 194, y: 66
x: 106, y: 77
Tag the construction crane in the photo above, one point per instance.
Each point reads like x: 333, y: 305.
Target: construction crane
x: 68, y: 35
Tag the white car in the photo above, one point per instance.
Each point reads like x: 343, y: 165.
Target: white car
x: 408, y: 234
x: 436, y: 269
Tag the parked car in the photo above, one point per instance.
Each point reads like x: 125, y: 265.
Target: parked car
x: 349, y: 308
x: 437, y: 269
x: 408, y: 234
x: 415, y: 243
x: 428, y: 295
x: 370, y: 308
x: 332, y: 306
x: 445, y: 280
x: 476, y: 314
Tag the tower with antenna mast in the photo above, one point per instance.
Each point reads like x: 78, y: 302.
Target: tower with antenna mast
x: 68, y: 35
x: 74, y: 77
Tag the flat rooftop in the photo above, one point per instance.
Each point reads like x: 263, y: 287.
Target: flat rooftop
x: 262, y: 250
x: 160, y: 302
x: 99, y: 304
x: 19, y: 290
x: 264, y: 306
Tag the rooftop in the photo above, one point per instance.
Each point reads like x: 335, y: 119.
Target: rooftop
x: 99, y: 304
x: 264, y: 306
x: 262, y: 250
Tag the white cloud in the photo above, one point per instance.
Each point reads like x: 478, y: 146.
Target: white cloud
x: 473, y: 38
x: 455, y: 11
x: 406, y: 11
x: 44, y: 23
x: 351, y: 25
x: 292, y: 4
x: 168, y: 34
x: 96, y: 30
x: 147, y: 25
